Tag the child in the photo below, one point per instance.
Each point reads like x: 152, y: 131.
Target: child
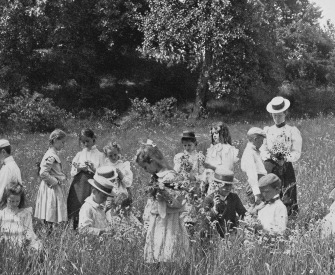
x: 92, y: 217
x: 50, y: 201
x: 15, y: 221
x: 125, y: 175
x: 222, y: 207
x: 9, y: 172
x: 84, y: 166
x: 273, y: 216
x: 220, y: 153
x: 119, y: 216
x: 190, y: 164
x: 252, y: 164
x: 167, y: 239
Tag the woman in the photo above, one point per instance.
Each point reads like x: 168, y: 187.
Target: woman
x: 281, y: 147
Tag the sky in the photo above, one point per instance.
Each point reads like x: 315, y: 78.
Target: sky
x: 328, y: 10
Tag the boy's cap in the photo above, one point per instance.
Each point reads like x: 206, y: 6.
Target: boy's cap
x: 268, y: 179
x: 188, y: 135
x: 4, y: 143
x: 224, y: 176
x: 256, y: 131
x: 108, y: 172
x: 102, y: 184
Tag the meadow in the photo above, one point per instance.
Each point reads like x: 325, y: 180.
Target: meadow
x: 300, y: 252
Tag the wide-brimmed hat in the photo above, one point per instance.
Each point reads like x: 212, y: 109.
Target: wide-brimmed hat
x: 268, y: 179
x: 108, y: 172
x: 4, y: 143
x: 256, y: 131
x: 224, y: 176
x: 102, y: 184
x: 277, y: 105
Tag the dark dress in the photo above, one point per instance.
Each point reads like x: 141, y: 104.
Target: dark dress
x: 80, y: 189
x: 226, y: 218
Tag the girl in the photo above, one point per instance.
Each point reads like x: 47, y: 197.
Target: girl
x: 16, y: 221
x: 50, y: 201
x: 220, y: 153
x: 84, y: 166
x: 281, y: 147
x: 125, y: 175
x: 190, y: 164
x: 167, y: 239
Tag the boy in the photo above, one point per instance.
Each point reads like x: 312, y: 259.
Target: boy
x: 222, y: 206
x: 92, y: 216
x: 273, y: 217
x: 252, y: 164
x: 9, y: 172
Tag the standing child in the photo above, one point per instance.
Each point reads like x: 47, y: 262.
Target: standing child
x: 220, y: 153
x: 84, y: 166
x: 221, y: 207
x: 125, y: 175
x: 252, y: 164
x: 16, y: 224
x: 92, y: 216
x: 167, y: 239
x: 50, y: 201
x: 273, y: 216
x: 9, y: 172
x: 190, y: 164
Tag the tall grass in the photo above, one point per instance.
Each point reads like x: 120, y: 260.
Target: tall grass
x: 301, y: 252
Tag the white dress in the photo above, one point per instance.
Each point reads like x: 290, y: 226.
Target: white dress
x: 220, y: 154
x: 16, y: 227
x: 327, y: 225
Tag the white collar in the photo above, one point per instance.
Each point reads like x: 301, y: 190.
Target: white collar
x: 8, y: 159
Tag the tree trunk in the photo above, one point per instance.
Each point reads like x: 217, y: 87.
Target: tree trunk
x: 202, y: 87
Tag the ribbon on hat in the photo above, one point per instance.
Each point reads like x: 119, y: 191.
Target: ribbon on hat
x: 279, y: 106
x: 227, y: 178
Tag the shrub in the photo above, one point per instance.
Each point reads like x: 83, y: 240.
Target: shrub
x: 31, y: 113
x: 162, y: 113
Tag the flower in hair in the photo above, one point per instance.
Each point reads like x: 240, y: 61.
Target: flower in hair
x: 150, y: 142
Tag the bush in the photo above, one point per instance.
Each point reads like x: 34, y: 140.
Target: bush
x: 31, y: 113
x: 162, y: 113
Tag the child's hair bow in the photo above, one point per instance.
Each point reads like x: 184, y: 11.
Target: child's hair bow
x: 150, y: 142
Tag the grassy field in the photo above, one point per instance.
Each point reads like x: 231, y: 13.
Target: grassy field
x: 301, y: 252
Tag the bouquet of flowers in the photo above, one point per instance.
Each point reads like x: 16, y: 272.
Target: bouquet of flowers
x: 185, y: 165
x: 279, y: 151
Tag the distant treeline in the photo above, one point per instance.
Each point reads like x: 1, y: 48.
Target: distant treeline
x: 98, y: 54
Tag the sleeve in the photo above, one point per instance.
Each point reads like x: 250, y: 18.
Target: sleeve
x: 46, y: 166
x: 240, y: 209
x: 296, y: 145
x: 177, y: 163
x: 102, y: 160
x: 127, y: 180
x: 265, y: 153
x: 249, y: 167
x: 75, y: 160
x: 207, y: 159
x: 332, y: 194
x: 235, y: 154
x: 28, y: 225
x: 5, y: 178
x: 86, y: 222
x: 280, y: 221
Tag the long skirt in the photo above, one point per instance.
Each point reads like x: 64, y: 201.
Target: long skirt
x: 50, y: 204
x: 80, y: 189
x: 167, y: 239
x: 288, y: 193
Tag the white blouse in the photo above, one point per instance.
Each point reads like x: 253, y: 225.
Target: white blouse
x: 93, y: 155
x: 288, y: 135
x: 222, y: 155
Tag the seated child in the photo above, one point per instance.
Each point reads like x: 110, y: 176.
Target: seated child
x: 252, y: 164
x: 118, y: 212
x: 222, y: 207
x: 92, y: 216
x: 273, y: 216
x: 16, y: 224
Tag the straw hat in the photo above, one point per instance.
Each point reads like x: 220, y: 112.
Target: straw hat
x: 4, y: 143
x: 102, y: 184
x: 277, y: 105
x: 108, y: 172
x: 224, y: 176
